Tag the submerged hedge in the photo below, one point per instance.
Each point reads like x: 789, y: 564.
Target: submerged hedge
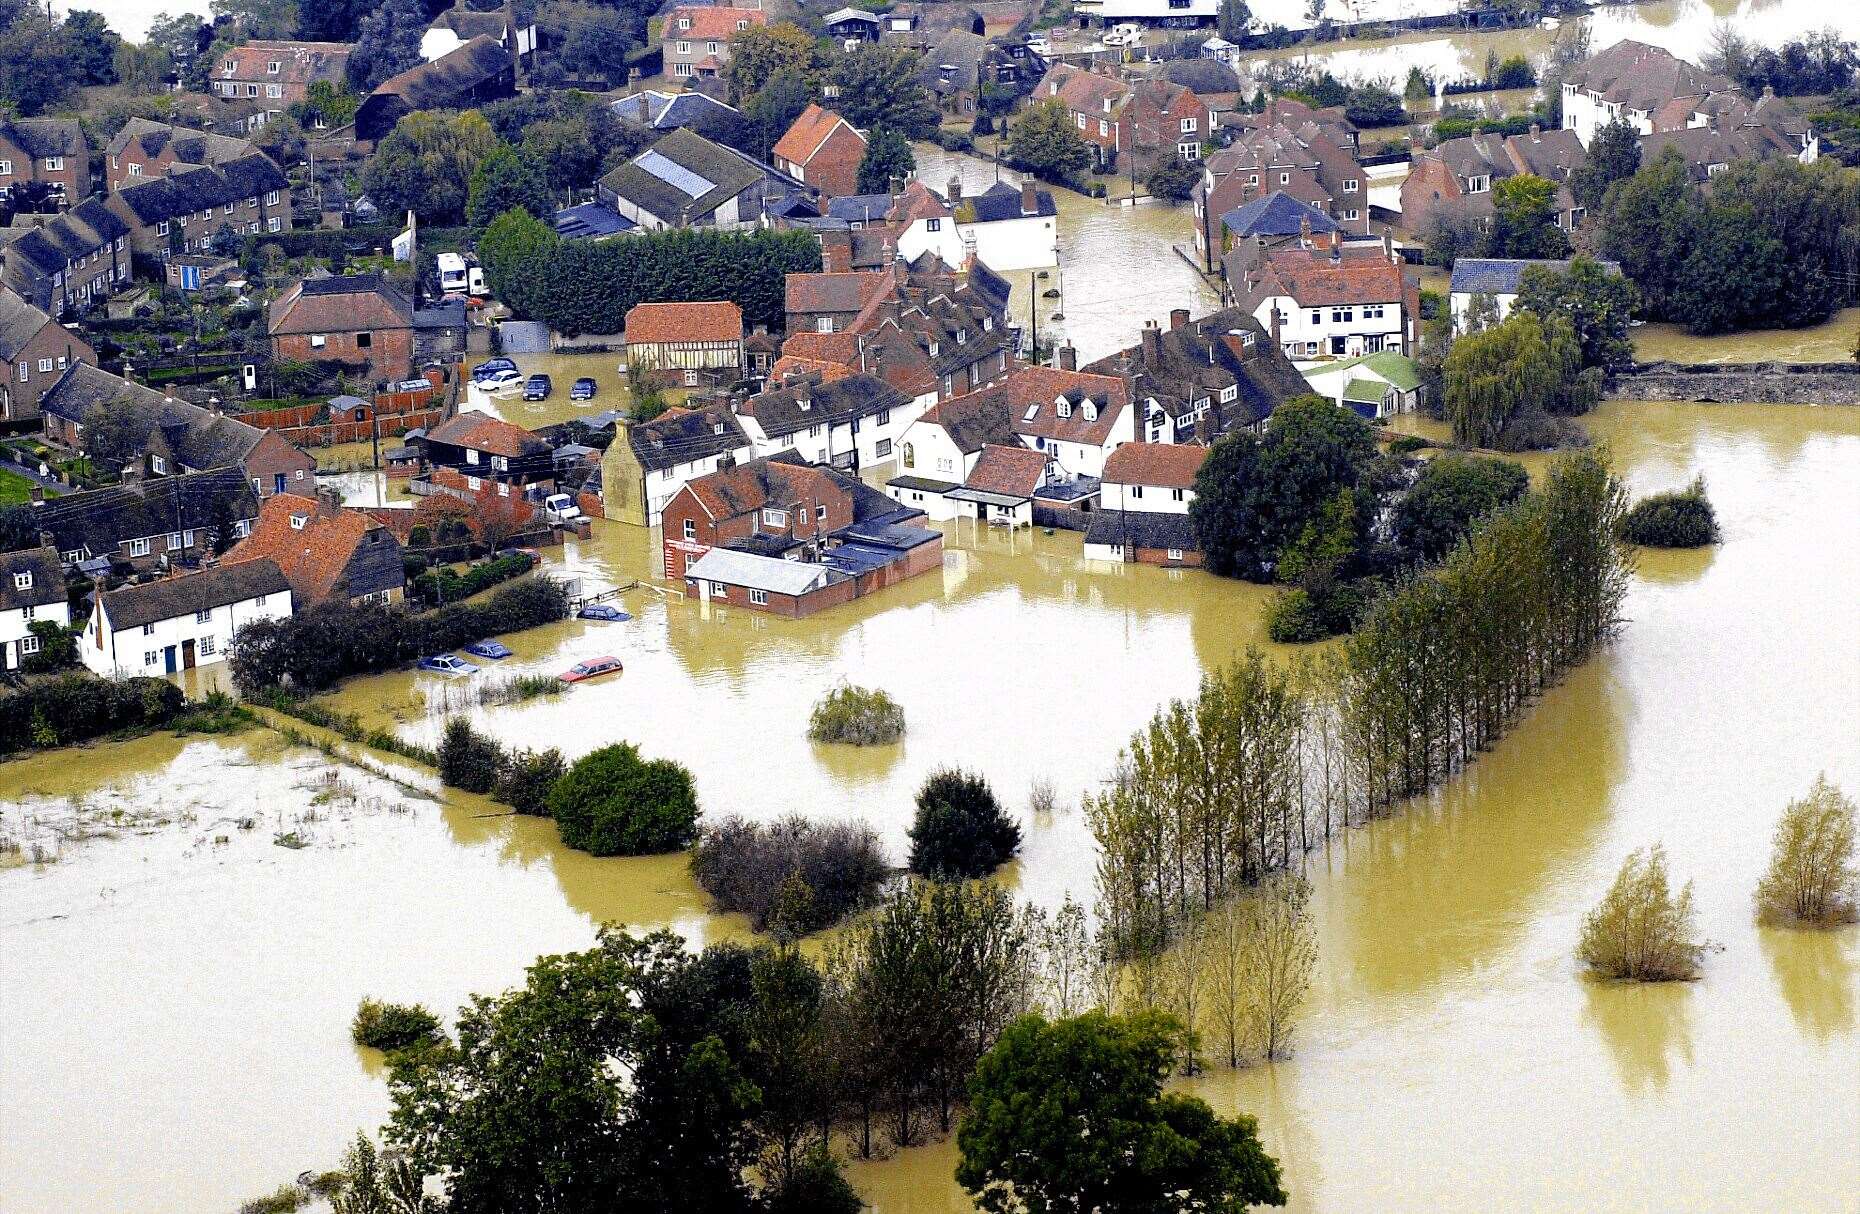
x: 1681, y: 519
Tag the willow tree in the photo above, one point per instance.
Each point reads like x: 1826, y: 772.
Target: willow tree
x: 1503, y: 382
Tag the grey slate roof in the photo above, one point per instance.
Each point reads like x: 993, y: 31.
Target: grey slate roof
x: 47, y: 574
x: 199, y: 189
x: 1201, y: 76
x: 99, y: 520
x: 590, y: 221
x: 1502, y: 276
x: 197, y: 438
x: 716, y: 175
x: 691, y: 111
x: 681, y: 437
x: 460, y: 70
x: 20, y: 322
x: 1142, y: 529
x: 860, y: 208
x: 42, y: 137
x: 87, y: 228
x: 1002, y: 201
x: 758, y: 572
x: 190, y: 146
x: 174, y: 597
x: 1277, y: 214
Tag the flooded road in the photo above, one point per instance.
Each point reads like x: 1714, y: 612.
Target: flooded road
x: 163, y: 988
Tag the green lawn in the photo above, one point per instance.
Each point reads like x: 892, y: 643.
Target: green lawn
x: 14, y: 488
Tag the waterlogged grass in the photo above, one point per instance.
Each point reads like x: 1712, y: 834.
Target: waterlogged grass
x: 345, y: 725
x: 449, y: 698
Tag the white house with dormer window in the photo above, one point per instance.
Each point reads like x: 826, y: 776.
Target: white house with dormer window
x: 32, y: 591
x: 178, y: 623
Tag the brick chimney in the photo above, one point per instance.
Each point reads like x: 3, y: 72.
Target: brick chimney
x: 1178, y: 319
x: 1029, y: 198
x: 1275, y: 328
x: 1336, y: 246
x: 1152, y: 344
x: 955, y: 189
x: 1537, y: 132
x: 1304, y: 231
x: 1068, y: 357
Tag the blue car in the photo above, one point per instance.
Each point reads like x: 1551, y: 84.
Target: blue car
x: 445, y: 663
x: 487, y: 649
x: 601, y: 611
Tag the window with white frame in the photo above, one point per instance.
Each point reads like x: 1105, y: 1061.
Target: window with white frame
x: 139, y: 547
x: 274, y: 90
x: 55, y: 163
x: 1188, y: 150
x: 274, y: 224
x: 318, y: 341
x: 6, y: 168
x: 28, y: 644
x: 681, y: 69
x: 23, y: 580
x: 775, y: 518
x: 1175, y: 554
x: 719, y: 590
x: 1349, y: 186
x: 684, y: 48
x: 1189, y: 124
x: 206, y: 644
x: 820, y: 514
x: 691, y: 529
x: 710, y: 47
x: 759, y: 597
x: 174, y: 541
x: 202, y: 617
x: 45, y: 365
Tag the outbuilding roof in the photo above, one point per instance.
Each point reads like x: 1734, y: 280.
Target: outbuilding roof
x: 1008, y: 471
x: 767, y: 573
x: 1167, y: 465
x: 1503, y: 276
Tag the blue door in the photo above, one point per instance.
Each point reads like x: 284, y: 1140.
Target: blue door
x: 190, y: 278
x: 168, y: 658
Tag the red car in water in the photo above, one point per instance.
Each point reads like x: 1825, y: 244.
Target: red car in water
x: 591, y: 668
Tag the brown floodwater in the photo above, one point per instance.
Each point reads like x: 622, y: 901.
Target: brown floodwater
x: 1831, y: 341
x: 162, y: 988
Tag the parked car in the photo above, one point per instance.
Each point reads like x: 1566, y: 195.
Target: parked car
x: 591, y: 668
x: 584, y: 389
x: 561, y: 507
x: 601, y: 611
x: 501, y: 381
x: 487, y: 649
x: 538, y: 387
x: 492, y: 366
x: 445, y: 663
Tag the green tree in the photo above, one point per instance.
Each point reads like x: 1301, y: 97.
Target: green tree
x: 1224, y: 512
x: 1452, y: 493
x: 1372, y: 105
x: 387, y: 43
x: 592, y: 40
x: 774, y: 107
x: 513, y: 250
x: 1524, y: 219
x: 760, y: 51
x: 329, y: 103
x: 1505, y: 385
x: 1682, y: 518
x: 1811, y: 878
x: 613, y: 803
x: 257, y: 18
x: 140, y: 67
x: 1614, y: 155
x: 878, y: 88
x: 1172, y: 179
x: 888, y: 158
x: 503, y: 180
x: 93, y: 46
x: 425, y: 164
x: 1070, y: 1115
x: 1642, y: 931
x: 1649, y: 225
x: 1596, y: 301
x: 1311, y: 450
x: 37, y: 67
x: 1044, y: 141
x: 58, y: 648
x: 960, y: 829
x: 1735, y: 272
x: 1232, y: 19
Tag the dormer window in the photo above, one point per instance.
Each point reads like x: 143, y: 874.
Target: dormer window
x: 933, y: 349
x: 298, y: 521
x: 962, y: 335
x: 988, y: 324
x: 1063, y: 406
x: 717, y: 428
x: 803, y: 404
x: 1479, y: 184
x: 273, y: 67
x: 1089, y: 410
x: 684, y: 23
x: 742, y: 24
x: 232, y: 65
x: 23, y: 581
x: 1107, y: 105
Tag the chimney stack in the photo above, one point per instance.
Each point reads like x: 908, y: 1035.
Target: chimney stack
x: 1275, y: 328
x: 1178, y: 319
x: 1537, y: 132
x: 1152, y: 344
x: 1304, y: 231
x: 955, y: 189
x: 1068, y: 357
x: 1029, y: 198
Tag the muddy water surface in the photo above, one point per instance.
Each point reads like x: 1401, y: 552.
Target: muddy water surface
x: 176, y: 1009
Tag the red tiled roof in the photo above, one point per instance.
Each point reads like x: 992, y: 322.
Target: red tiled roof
x: 918, y: 201
x: 1037, y: 390
x: 1169, y: 465
x: 482, y: 432
x: 789, y: 365
x: 298, y: 62
x: 1314, y: 281
x: 730, y: 492
x: 823, y: 347
x: 710, y: 21
x: 312, y: 556
x: 1014, y: 471
x: 661, y: 322
x: 809, y: 131
x: 836, y: 292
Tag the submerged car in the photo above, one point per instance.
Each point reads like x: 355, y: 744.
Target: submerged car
x: 445, y: 663
x: 538, y: 387
x: 492, y: 366
x: 590, y: 668
x: 601, y: 611
x: 500, y: 381
x: 487, y: 649
x: 583, y: 389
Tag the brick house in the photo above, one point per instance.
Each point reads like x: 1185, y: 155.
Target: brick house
x: 1340, y: 302
x: 1199, y: 379
x: 828, y: 303
x: 185, y: 211
x: 1148, y: 119
x: 276, y: 75
x: 687, y: 343
x: 1457, y: 177
x: 145, y: 148
x: 1264, y: 161
x: 767, y: 506
x: 697, y: 39
x: 34, y: 351
x: 823, y: 150
x: 175, y: 437
x: 51, y: 151
x: 77, y: 259
x: 141, y: 523
x: 359, y: 320
x: 326, y: 552
x: 483, y: 447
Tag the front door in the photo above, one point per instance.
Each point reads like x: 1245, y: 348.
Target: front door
x: 187, y: 655
x: 168, y: 658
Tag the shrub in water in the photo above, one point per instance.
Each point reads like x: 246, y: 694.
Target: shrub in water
x: 468, y: 759
x: 1811, y: 878
x: 1295, y: 619
x: 392, y: 1026
x: 526, y: 779
x: 613, y: 803
x: 1642, y: 932
x: 859, y: 716
x: 744, y: 866
x: 1672, y: 520
x: 960, y: 830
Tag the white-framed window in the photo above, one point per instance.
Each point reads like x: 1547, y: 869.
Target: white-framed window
x: 45, y: 365
x: 472, y: 483
x: 201, y: 617
x: 503, y: 490
x: 823, y: 324
x: 1189, y: 125
x: 150, y: 657
x: 275, y: 224
x: 775, y: 518
x: 690, y: 529
x: 54, y: 163
x: 139, y: 547
x: 1175, y: 554
x: 1188, y: 150
x: 1351, y: 214
x: 273, y: 67
x: 711, y: 47
x: 1479, y: 184
x: 759, y: 597
x: 719, y: 590
x: 1285, y: 178
x: 318, y: 341
x: 743, y: 23
x: 883, y: 449
x: 242, y: 527
x: 23, y: 580
x: 25, y: 370
x: 684, y: 23
x: 684, y: 48
x: 1349, y: 186
x: 174, y: 541
x: 28, y: 644
x: 251, y: 90
x: 271, y: 199
x: 161, y: 229
x: 6, y: 168
x: 274, y: 90
x: 206, y: 644
x: 297, y: 475
x: 1104, y: 129
x: 1080, y: 120
x: 159, y: 464
x: 681, y: 69
x: 1230, y: 391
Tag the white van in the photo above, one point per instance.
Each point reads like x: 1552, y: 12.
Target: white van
x: 451, y: 273
x: 561, y: 508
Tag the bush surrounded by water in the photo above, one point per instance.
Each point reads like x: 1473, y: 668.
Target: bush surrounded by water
x: 1642, y: 931
x: 1679, y: 519
x: 858, y: 716
x: 1811, y: 878
x: 960, y: 829
x: 467, y: 758
x: 611, y: 802
x: 752, y: 867
x: 392, y: 1026
x: 524, y: 780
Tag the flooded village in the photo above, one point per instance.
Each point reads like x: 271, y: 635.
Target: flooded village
x: 962, y: 434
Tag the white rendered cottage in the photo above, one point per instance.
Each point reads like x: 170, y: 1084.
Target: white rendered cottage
x: 178, y: 623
